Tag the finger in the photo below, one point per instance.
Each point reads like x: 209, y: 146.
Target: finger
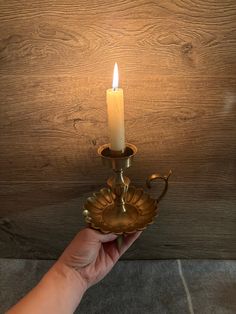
x: 108, y: 237
x: 94, y: 235
x: 128, y: 241
x: 114, y: 252
x: 111, y: 251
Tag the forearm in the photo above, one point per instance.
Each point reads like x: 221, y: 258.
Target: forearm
x: 59, y: 292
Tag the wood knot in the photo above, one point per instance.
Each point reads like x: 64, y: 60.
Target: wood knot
x: 187, y: 114
x: 6, y: 222
x: 186, y: 48
x: 94, y: 142
x: 75, y: 121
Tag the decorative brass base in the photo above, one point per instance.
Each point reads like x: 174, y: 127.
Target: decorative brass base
x: 103, y: 214
x: 121, y: 208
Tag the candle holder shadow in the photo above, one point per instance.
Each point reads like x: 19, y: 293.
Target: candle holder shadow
x: 122, y: 208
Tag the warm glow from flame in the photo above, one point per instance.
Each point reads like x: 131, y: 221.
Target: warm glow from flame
x: 115, y: 82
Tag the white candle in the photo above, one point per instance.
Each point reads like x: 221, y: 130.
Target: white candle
x: 115, y: 111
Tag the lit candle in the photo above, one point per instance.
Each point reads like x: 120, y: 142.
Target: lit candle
x: 115, y: 111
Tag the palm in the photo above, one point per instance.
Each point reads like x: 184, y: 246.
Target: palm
x: 94, y: 254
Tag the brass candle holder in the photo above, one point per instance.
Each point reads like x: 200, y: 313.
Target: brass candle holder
x: 122, y: 208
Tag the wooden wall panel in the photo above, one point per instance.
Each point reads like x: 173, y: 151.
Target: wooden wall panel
x: 82, y: 38
x: 196, y: 221
x: 57, y: 136
x: 177, y: 67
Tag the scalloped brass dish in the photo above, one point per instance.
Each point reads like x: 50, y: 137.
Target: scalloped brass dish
x: 101, y: 212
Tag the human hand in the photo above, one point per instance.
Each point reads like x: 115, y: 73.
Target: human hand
x: 87, y: 259
x: 92, y: 254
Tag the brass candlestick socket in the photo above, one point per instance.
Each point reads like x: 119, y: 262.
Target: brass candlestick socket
x: 122, y: 208
x: 118, y: 183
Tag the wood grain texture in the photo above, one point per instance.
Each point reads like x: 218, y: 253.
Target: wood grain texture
x: 83, y: 38
x: 177, y: 62
x: 194, y: 221
x: 57, y: 137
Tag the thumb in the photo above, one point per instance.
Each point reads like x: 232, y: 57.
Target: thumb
x: 102, y: 237
x: 108, y: 237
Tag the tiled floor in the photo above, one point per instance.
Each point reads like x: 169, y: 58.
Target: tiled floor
x: 168, y: 286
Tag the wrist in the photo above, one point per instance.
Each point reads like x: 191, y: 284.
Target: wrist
x: 59, y: 291
x: 68, y: 283
x: 69, y: 275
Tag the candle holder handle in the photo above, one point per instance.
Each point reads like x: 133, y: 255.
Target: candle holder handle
x: 157, y: 176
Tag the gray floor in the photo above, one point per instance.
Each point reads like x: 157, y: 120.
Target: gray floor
x: 170, y: 286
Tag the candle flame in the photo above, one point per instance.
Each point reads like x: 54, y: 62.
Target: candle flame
x: 115, y: 82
